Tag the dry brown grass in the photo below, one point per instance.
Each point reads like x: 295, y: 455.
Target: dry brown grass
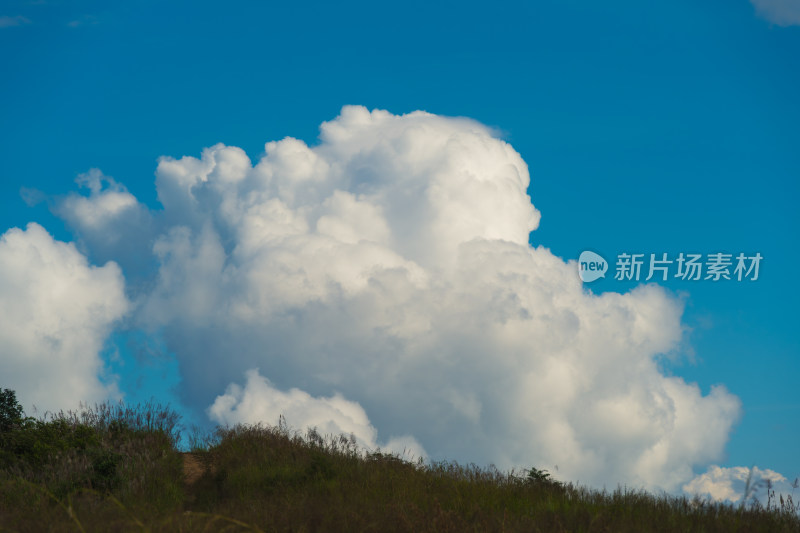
x: 130, y: 476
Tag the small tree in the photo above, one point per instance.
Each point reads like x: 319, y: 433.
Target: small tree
x: 536, y: 476
x: 10, y: 410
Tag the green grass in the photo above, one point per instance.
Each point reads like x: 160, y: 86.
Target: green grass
x: 117, y: 468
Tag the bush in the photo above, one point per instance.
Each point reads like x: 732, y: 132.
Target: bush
x: 126, y: 451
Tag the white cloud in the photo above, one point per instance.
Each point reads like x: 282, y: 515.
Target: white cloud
x: 109, y: 223
x: 105, y: 204
x: 731, y: 484
x: 8, y: 22
x: 55, y: 314
x: 260, y: 402
x: 780, y: 12
x: 390, y: 263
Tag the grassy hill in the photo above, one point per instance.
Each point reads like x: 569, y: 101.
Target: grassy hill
x: 118, y: 468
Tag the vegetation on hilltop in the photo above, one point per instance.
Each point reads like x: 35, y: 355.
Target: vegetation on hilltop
x: 118, y: 468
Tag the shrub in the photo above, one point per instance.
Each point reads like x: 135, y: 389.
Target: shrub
x: 127, y: 451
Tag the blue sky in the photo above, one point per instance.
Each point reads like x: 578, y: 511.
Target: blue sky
x: 647, y: 127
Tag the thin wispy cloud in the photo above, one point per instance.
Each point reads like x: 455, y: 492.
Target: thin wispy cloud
x: 780, y: 12
x: 85, y: 20
x: 10, y: 22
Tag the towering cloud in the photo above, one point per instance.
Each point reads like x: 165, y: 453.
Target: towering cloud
x: 55, y: 314
x: 382, y: 280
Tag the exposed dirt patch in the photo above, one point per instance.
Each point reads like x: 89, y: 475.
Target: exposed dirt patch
x: 194, y: 467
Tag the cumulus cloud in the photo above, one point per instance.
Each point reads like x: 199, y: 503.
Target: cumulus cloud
x: 731, y: 484
x: 110, y: 223
x: 259, y: 401
x: 56, y: 311
x: 780, y: 12
x: 390, y: 263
